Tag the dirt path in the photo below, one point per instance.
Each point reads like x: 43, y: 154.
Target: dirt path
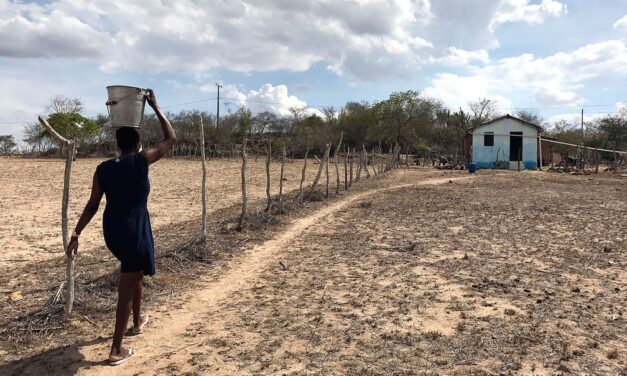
x: 169, y: 339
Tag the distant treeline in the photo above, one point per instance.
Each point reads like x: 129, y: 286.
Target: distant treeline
x: 418, y: 124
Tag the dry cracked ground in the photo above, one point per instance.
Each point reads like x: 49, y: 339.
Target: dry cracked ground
x: 497, y: 274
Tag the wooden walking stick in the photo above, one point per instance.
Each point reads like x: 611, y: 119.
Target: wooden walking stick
x: 69, y: 158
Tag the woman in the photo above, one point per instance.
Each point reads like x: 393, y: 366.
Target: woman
x: 126, y: 223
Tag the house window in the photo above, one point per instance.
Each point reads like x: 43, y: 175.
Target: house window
x: 488, y: 139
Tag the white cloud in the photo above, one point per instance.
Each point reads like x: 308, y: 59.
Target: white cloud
x: 573, y: 118
x: 460, y: 57
x: 621, y: 25
x: 550, y: 81
x: 275, y: 99
x: 246, y: 36
x: 456, y: 91
x: 365, y: 39
x: 524, y: 11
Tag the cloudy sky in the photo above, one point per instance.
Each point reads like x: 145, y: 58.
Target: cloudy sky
x: 556, y: 56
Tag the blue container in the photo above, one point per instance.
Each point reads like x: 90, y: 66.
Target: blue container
x: 472, y: 168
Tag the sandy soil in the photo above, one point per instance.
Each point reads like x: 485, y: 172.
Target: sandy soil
x: 31, y: 189
x: 417, y: 273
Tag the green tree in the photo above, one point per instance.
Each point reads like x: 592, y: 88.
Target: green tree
x: 74, y: 126
x: 354, y: 120
x: 395, y: 115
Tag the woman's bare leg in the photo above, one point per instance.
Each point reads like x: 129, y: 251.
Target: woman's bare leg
x: 138, y: 294
x: 126, y: 289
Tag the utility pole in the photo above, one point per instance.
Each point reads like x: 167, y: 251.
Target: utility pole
x: 218, y: 106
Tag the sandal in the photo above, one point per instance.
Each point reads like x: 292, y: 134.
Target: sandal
x: 124, y: 359
x: 138, y: 330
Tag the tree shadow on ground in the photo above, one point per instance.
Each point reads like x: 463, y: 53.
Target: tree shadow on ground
x: 66, y: 360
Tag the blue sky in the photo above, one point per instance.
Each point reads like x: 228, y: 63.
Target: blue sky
x: 556, y: 56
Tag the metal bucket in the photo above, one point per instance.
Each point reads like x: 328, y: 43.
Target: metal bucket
x: 126, y: 106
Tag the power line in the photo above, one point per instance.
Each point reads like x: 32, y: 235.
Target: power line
x: 182, y: 104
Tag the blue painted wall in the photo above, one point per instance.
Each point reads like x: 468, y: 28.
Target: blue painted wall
x: 486, y: 156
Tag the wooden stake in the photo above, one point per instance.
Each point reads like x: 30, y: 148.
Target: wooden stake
x: 359, y: 164
x: 324, y: 158
x: 365, y: 160
x: 345, y: 169
x: 540, y: 148
x: 335, y: 159
x: 69, y: 158
x: 374, y: 163
x: 281, y: 181
x: 351, y: 156
x: 204, y: 181
x: 519, y: 150
x: 268, y: 157
x: 302, y: 178
x: 326, y: 195
x: 242, y: 217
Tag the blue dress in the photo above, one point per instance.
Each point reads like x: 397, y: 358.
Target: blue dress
x: 126, y: 222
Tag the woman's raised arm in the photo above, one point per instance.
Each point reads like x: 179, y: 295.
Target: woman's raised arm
x: 155, y: 153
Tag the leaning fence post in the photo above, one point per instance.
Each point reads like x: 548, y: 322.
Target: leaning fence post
x: 69, y: 158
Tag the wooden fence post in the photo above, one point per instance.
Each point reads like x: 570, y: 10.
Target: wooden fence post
x: 345, y: 169
x: 302, y: 178
x: 69, y: 158
x: 326, y: 166
x: 365, y: 160
x: 240, y: 224
x: 283, y: 152
x: 268, y: 157
x: 352, y: 157
x: 374, y: 163
x: 337, y: 168
x: 204, y: 181
x: 317, y: 179
x: 359, y: 164
x: 519, y: 158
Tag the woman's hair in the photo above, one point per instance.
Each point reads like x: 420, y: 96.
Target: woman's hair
x: 127, y: 138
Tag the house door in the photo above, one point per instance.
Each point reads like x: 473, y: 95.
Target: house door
x: 515, y: 146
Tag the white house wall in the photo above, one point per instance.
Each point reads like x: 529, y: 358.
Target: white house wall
x: 486, y: 156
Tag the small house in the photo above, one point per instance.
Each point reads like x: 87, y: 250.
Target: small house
x: 505, y: 142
